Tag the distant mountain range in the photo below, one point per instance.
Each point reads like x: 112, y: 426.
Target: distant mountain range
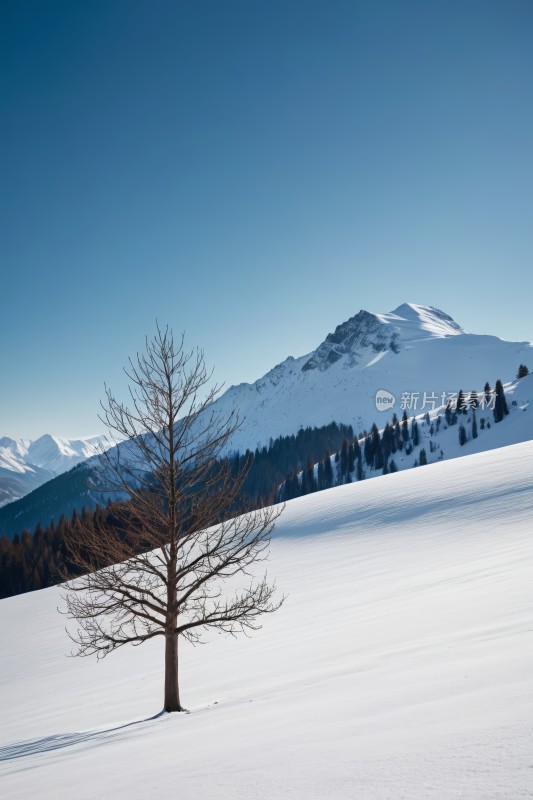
x: 414, y: 357
x: 26, y: 464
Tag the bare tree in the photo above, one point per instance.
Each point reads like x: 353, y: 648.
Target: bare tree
x: 162, y: 568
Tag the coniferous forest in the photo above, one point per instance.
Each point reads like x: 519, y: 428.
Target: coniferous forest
x: 35, y: 560
x: 311, y: 460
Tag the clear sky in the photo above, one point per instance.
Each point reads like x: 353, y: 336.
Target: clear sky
x: 255, y: 172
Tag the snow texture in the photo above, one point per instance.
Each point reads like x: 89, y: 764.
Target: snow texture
x: 399, y: 668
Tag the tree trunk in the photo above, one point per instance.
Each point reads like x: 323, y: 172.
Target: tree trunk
x: 172, y: 692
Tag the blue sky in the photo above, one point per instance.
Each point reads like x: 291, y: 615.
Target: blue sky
x: 254, y: 173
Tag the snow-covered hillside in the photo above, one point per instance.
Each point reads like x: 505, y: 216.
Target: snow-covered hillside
x: 27, y: 464
x: 415, y: 349
x: 439, y: 441
x: 400, y: 665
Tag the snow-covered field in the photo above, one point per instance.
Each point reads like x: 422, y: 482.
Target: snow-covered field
x: 400, y: 666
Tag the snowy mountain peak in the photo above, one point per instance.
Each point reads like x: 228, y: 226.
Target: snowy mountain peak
x: 16, y: 447
x: 427, y: 319
x: 415, y: 350
x: 57, y: 454
x: 363, y: 332
x: 366, y: 334
x: 35, y: 462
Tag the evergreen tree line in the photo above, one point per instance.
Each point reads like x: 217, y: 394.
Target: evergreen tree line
x: 499, y: 411
x: 36, y: 560
x: 285, y: 455
x: 371, y: 450
x: 312, y: 460
x: 375, y: 451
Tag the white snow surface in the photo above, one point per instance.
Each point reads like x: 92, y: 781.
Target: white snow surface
x: 399, y: 668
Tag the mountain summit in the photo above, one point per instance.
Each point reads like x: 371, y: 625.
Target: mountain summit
x: 410, y: 354
x: 381, y: 332
x: 412, y: 350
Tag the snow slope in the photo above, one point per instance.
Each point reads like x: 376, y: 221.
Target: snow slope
x: 412, y: 349
x: 442, y: 442
x: 400, y: 666
x: 27, y: 464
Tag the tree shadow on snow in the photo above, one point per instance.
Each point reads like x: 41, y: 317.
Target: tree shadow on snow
x: 47, y: 744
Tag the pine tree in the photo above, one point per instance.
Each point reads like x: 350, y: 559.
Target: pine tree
x: 310, y: 482
x: 387, y: 442
x: 474, y: 425
x: 320, y: 476
x: 414, y: 433
x: 328, y: 472
x: 500, y: 403
x: 397, y: 435
x: 344, y: 461
x: 423, y: 458
x: 522, y: 371
x: 377, y: 452
x: 462, y: 435
x: 460, y: 407
x: 351, y: 459
x: 294, y: 487
x: 405, y: 429
x: 487, y: 392
x: 369, y: 453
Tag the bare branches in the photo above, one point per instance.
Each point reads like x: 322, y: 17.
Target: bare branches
x: 180, y: 531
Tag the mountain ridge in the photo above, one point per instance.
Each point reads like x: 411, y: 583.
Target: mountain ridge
x: 25, y: 464
x: 413, y: 351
